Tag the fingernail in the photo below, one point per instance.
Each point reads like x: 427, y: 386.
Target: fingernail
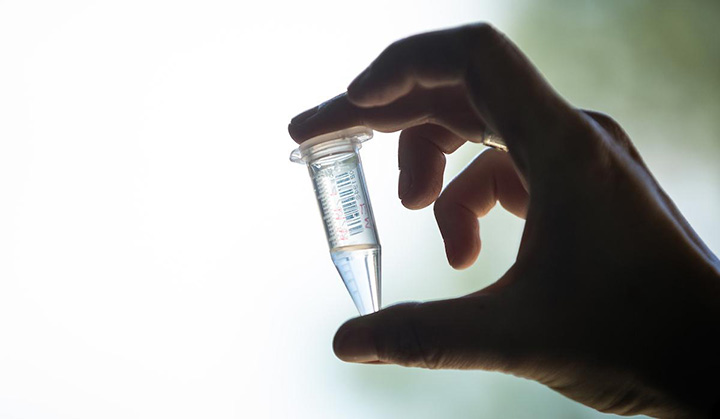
x: 404, y: 183
x: 355, y: 344
x: 299, y: 119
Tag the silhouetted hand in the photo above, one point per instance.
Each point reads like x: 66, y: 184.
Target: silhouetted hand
x: 613, y: 301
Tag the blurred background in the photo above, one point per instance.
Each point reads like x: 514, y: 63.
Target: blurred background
x: 161, y: 257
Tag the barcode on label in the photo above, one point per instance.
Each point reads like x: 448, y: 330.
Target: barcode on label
x: 347, y: 191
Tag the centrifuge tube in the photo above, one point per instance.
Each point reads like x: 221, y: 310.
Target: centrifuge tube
x: 337, y: 176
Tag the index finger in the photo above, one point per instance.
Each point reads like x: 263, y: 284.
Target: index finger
x: 447, y: 107
x: 505, y: 89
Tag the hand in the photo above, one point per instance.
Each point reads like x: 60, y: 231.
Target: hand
x: 613, y: 301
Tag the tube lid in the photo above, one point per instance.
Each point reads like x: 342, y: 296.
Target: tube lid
x: 357, y: 134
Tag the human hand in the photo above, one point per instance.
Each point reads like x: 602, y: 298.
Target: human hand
x: 613, y: 301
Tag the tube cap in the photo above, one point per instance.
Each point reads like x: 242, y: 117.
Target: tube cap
x: 357, y: 134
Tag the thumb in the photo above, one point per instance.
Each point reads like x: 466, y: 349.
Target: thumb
x: 463, y: 333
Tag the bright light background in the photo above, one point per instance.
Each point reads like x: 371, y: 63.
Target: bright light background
x: 159, y: 255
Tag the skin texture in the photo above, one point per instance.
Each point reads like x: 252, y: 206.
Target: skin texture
x: 613, y: 301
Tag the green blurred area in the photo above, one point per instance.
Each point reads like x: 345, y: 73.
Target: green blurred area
x: 654, y: 65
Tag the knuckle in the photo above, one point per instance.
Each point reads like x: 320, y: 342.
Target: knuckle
x: 394, y: 50
x: 391, y: 49
x: 483, y: 33
x: 481, y: 28
x: 574, y: 134
x: 583, y: 148
x: 603, y: 119
x: 609, y: 124
x: 615, y: 131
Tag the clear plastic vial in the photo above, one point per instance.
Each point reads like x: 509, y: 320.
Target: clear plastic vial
x: 337, y: 176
